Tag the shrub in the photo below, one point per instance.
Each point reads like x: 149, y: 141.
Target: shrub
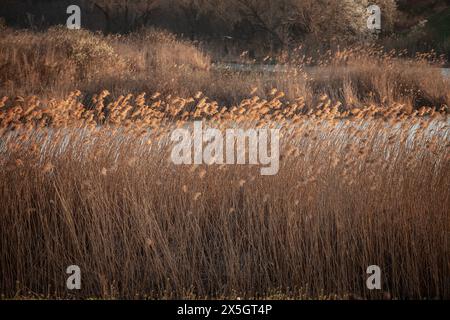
x: 36, y: 61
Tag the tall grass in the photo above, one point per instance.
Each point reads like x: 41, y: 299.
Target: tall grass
x: 95, y: 187
x: 54, y: 63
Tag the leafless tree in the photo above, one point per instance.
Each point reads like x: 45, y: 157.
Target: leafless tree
x: 325, y: 19
x: 124, y: 14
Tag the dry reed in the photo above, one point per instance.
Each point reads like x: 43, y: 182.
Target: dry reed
x: 95, y: 187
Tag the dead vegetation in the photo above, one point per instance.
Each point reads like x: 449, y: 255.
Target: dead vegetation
x: 95, y: 187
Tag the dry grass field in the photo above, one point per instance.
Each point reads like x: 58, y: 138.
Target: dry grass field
x: 87, y: 179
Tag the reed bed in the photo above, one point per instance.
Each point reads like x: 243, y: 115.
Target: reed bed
x: 94, y: 186
x: 54, y: 63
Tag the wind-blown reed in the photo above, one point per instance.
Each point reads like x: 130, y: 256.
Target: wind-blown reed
x: 95, y: 187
